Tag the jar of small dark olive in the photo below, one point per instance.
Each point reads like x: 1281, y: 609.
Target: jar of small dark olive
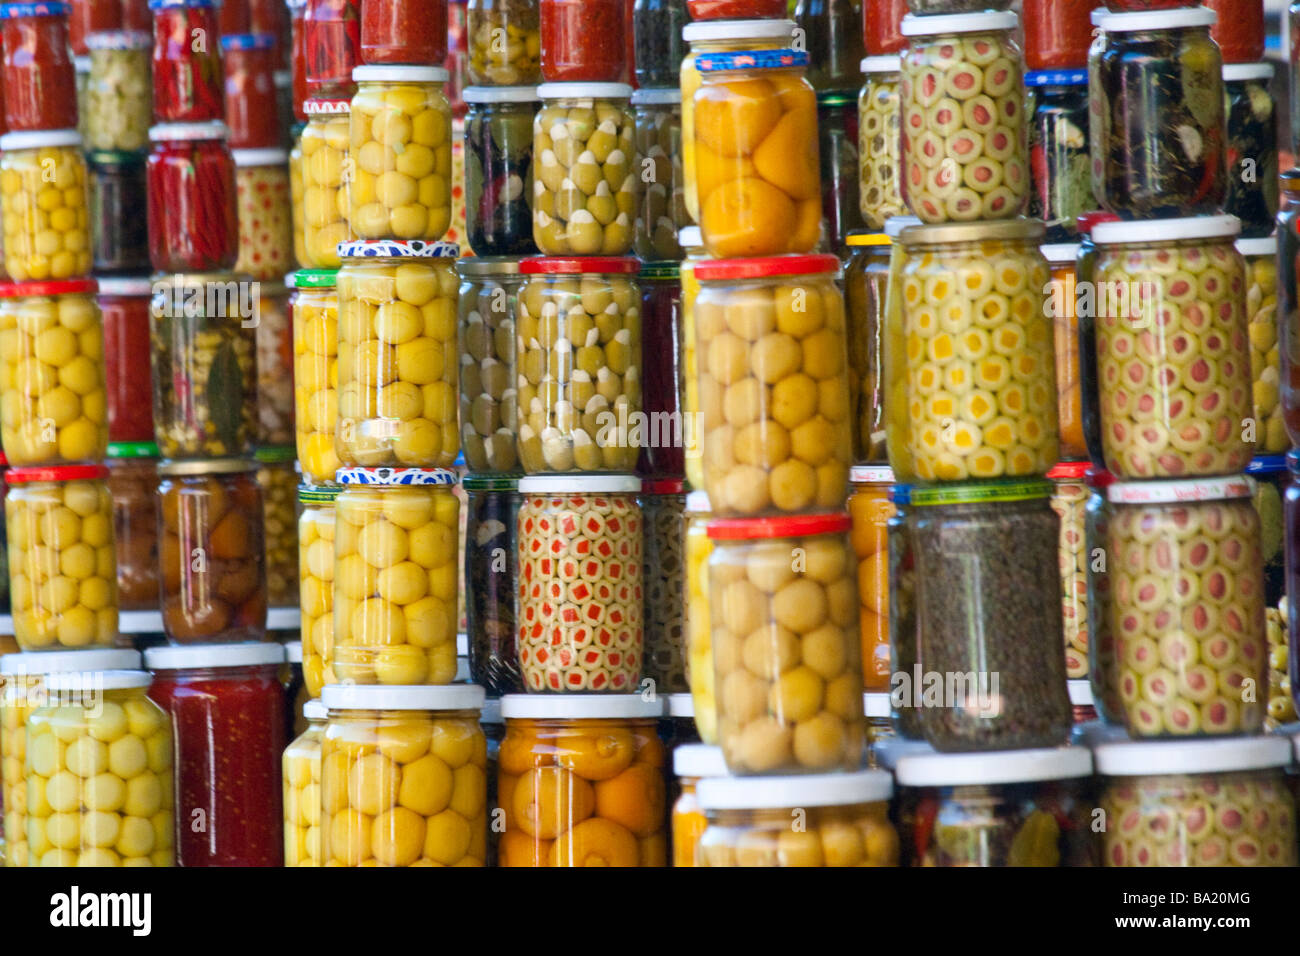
x: 119, y: 234
x: 1288, y: 306
x: 499, y: 169
x: 491, y: 561
x: 866, y: 276
x: 1059, y: 161
x: 837, y: 130
x: 1252, y: 147
x: 833, y: 36
x: 657, y: 30
x: 661, y: 204
x: 981, y: 559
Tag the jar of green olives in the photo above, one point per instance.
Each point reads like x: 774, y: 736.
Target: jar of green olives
x: 489, y: 288
x: 661, y: 211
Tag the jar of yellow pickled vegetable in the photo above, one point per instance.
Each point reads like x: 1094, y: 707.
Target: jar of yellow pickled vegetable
x: 301, y: 768
x: 45, y: 205
x: 693, y: 250
x: 325, y: 176
x: 699, y: 641
x: 315, y: 371
x: 316, y: 584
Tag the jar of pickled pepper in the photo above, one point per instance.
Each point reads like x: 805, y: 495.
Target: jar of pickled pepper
x: 499, y: 169
x: 119, y: 97
x: 248, y: 62
x: 133, y: 485
x: 332, y: 47
x: 187, y: 84
x: 39, y: 78
x: 45, y: 211
x: 403, y: 31
x: 87, y: 17
x: 193, y: 209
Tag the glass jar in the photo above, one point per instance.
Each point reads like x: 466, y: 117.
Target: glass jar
x: 1251, y: 115
x: 986, y: 595
x: 879, y: 140
x: 657, y: 27
x: 837, y: 128
x: 870, y: 510
x: 583, y: 41
x: 1239, y: 30
x: 693, y: 249
x: 1260, y: 256
x: 407, y: 31
x: 661, y: 209
x: 118, y: 233
x: 1269, y: 474
x: 295, y: 688
x: 316, y: 583
x: 1172, y: 346
x: 248, y: 62
x: 212, y: 552
x: 193, y: 224
x: 1016, y: 808
x: 397, y: 533
x: 833, y: 39
x: 1288, y: 308
x: 730, y: 35
x: 1157, y: 115
x: 39, y: 78
x: 1103, y: 657
x: 865, y: 278
x: 1221, y: 803
x: 1058, y: 34
x: 1085, y: 268
x: 133, y: 487
x: 741, y: 121
x: 505, y: 42
x: 777, y: 441
x: 1069, y: 501
x: 691, y: 764
x: 562, y: 763
x: 43, y: 180
x: 1186, y: 552
x: 970, y: 363
x: 81, y: 71
x: 277, y: 474
x: 22, y: 689
x: 488, y: 291
x: 491, y: 563
x: 1060, y: 167
x: 663, y: 445
x: 297, y: 195
x: 400, y: 153
x: 227, y: 711
x: 100, y: 720
x: 187, y: 83
x: 332, y: 44
x: 397, y: 345
x: 663, y: 503
x: 587, y: 635
x: 699, y: 632
x: 86, y: 17
x: 499, y: 171
x: 298, y: 57
x: 203, y: 355
x: 786, y: 652
x: 62, y: 563
x: 904, y: 711
x: 315, y: 372
x: 275, y: 387
x: 843, y: 821
x: 419, y: 798
x: 584, y: 194
x: 1062, y: 305
x: 325, y: 190
x: 119, y: 91
x: 579, y: 414
x: 53, y: 403
x: 301, y: 772
x: 965, y: 151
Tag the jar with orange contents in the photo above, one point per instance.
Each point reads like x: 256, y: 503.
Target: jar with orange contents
x: 757, y: 161
x: 1062, y: 303
x: 691, y: 764
x: 581, y: 782
x: 870, y: 510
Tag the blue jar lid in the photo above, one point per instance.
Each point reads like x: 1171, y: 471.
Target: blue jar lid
x: 398, y: 249
x: 395, y: 476
x: 1293, y: 461
x: 901, y: 494
x: 247, y: 41
x: 162, y: 4
x: 15, y: 11
x: 750, y: 60
x: 1268, y: 464
x: 1056, y: 78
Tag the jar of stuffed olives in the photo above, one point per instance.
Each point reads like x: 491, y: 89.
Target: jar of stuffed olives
x: 879, y: 141
x: 499, y: 169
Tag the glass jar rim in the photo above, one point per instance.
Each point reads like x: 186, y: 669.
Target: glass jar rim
x: 802, y: 790
x: 428, y: 697
x: 126, y: 286
x: 184, y: 657
x: 584, y: 91
x: 371, y: 73
x: 981, y: 492
x: 892, y: 63
x: 395, y: 477
x: 1026, y: 230
x: 1139, y: 758
x: 267, y: 156
x: 933, y: 769
x: 707, y: 31
x: 1130, y: 232
x: 36, y: 139
x: 784, y: 526
x: 499, y: 94
x: 579, y: 484
x: 1144, y: 20
x: 581, y: 707
x: 871, y: 475
x: 937, y: 25
x: 48, y: 287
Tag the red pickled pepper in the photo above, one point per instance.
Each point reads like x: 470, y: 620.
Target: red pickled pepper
x: 229, y: 735
x: 881, y: 26
x: 127, y: 367
x: 583, y: 41
x: 1058, y: 33
x: 1239, y: 31
x: 332, y: 46
x: 187, y: 85
x: 192, y: 210
x: 404, y: 32
x: 271, y: 16
x: 249, y: 70
x: 39, y: 77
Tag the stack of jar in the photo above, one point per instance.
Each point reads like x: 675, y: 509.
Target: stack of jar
x: 1177, y: 608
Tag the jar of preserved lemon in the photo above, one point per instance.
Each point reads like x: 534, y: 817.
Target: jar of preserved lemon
x: 22, y: 689
x: 302, y: 804
x: 699, y: 640
x: 397, y: 354
x: 844, y: 821
x: 403, y: 777
x: 101, y: 753
x: 870, y: 509
x: 325, y: 177
x: 53, y: 400
x: 316, y: 584
x: 970, y: 362
x: 45, y: 211
x: 582, y: 782
x: 277, y: 473
x: 757, y: 164
x: 691, y: 764
x: 62, y: 559
x: 396, y: 540
x: 400, y: 153
x: 315, y: 373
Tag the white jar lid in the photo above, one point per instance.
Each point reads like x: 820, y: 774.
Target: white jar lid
x: 399, y: 697
x: 315, y: 710
x: 990, y: 769
x: 881, y: 64
x: 1184, y: 490
x: 706, y: 30
x: 699, y: 760
x: 125, y: 285
x: 32, y: 663
x: 1135, y: 758
x: 1080, y: 692
x: 579, y: 484
x: 871, y: 474
x: 1165, y: 230
x: 929, y: 25
x: 666, y: 97
x: 895, y: 225
x: 293, y: 652
x: 1233, y: 72
x: 260, y: 157
x: 803, y: 790
x: 400, y: 74
x: 1157, y: 20
x: 876, y: 704
x: 1263, y: 246
x: 83, y: 680
x: 167, y: 132
x: 697, y: 503
x: 681, y: 705
x: 499, y: 94
x: 192, y: 656
x: 1060, y: 251
x: 584, y: 91
x: 580, y: 707
x: 35, y: 139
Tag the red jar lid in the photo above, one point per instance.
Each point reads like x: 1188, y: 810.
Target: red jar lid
x: 793, y: 526
x: 22, y: 476
x: 710, y: 270
x: 18, y: 290
x: 663, y: 486
x: 1069, y: 471
x: 570, y: 265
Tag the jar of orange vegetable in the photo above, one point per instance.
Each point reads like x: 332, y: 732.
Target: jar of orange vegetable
x: 870, y: 510
x: 1069, y: 388
x: 691, y: 764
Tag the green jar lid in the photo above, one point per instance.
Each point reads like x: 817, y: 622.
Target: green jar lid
x: 667, y: 269
x: 116, y: 157
x: 981, y: 492
x: 832, y: 98
x: 315, y: 278
x: 275, y: 454
x: 490, y: 482
x: 132, y: 449
x: 318, y: 494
